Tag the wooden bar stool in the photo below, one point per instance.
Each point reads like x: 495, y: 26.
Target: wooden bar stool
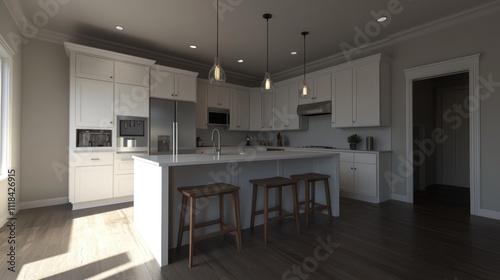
x: 269, y: 183
x: 194, y: 192
x: 310, y: 204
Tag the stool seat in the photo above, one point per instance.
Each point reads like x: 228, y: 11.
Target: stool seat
x: 310, y: 198
x: 208, y: 190
x: 274, y: 183
x: 311, y: 176
x: 191, y: 193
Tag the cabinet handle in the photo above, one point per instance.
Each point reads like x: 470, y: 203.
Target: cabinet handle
x: 111, y: 77
x: 95, y: 159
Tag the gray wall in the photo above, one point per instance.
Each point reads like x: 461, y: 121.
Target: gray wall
x: 7, y: 26
x: 466, y: 38
x: 45, y: 121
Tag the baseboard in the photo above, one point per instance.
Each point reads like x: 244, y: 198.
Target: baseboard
x: 104, y: 202
x: 399, y: 197
x: 43, y: 203
x: 489, y: 214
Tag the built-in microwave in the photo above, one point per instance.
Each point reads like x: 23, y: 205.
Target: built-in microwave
x: 218, y: 117
x: 132, y: 134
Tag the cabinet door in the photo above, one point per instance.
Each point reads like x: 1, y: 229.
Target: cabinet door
x: 131, y: 100
x: 185, y: 88
x: 342, y: 99
x: 123, y: 185
x: 234, y: 110
x: 93, y: 183
x: 94, y: 68
x: 244, y: 111
x: 366, y: 95
x: 162, y: 84
x: 294, y: 120
x: 281, y: 107
x: 213, y: 98
x: 94, y: 103
x: 224, y: 98
x: 131, y: 74
x: 366, y: 179
x: 255, y: 111
x: 346, y: 176
x: 201, y: 107
x: 323, y: 88
x: 267, y: 112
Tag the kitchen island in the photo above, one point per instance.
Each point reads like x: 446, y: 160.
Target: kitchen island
x: 156, y: 179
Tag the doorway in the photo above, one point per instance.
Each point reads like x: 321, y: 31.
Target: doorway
x: 470, y: 65
x: 441, y: 164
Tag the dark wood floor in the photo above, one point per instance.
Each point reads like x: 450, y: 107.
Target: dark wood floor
x: 392, y: 240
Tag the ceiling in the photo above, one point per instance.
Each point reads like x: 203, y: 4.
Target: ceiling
x: 169, y: 27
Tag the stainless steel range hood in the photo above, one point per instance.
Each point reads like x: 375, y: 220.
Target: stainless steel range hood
x: 312, y: 109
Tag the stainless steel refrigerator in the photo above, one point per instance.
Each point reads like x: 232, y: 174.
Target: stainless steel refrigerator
x: 171, y: 123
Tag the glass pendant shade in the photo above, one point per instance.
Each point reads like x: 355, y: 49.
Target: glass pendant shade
x: 304, y: 91
x: 267, y: 85
x: 216, y: 74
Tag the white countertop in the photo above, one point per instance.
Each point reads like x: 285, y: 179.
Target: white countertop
x: 249, y: 155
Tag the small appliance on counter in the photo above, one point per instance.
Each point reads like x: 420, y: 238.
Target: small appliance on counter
x: 369, y: 143
x: 199, y: 142
x: 93, y: 138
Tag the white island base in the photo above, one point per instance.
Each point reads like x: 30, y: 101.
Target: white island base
x: 157, y: 201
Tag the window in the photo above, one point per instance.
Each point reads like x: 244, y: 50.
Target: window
x: 5, y: 94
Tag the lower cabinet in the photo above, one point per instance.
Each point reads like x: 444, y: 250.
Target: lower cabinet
x: 362, y: 176
x: 124, y: 174
x: 93, y: 183
x: 123, y: 185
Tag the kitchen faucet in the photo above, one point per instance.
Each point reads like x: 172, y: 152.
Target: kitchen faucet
x: 216, y: 149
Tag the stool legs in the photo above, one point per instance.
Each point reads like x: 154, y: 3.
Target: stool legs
x: 192, y: 213
x: 266, y: 212
x: 221, y: 214
x: 296, y: 207
x: 328, y: 201
x: 254, y: 202
x: 181, y: 222
x: 306, y: 204
x: 236, y: 213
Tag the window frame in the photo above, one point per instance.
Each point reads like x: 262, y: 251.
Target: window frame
x: 6, y: 70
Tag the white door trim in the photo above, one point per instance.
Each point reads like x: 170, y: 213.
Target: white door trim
x: 468, y: 64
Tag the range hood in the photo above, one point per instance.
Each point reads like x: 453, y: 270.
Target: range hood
x: 312, y: 109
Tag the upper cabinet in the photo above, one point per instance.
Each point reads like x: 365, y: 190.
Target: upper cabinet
x: 240, y: 110
x: 201, y: 107
x: 218, y: 97
x: 173, y: 84
x: 286, y: 100
x: 131, y: 74
x: 361, y: 93
x: 255, y: 110
x: 93, y: 103
x: 320, y: 87
x: 96, y: 68
x: 131, y: 100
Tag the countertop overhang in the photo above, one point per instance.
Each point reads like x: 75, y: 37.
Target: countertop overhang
x: 249, y: 155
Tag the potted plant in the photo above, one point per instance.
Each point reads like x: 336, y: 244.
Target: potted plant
x: 353, y: 141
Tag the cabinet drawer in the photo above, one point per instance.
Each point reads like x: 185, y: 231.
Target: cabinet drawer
x: 348, y: 157
x: 365, y: 158
x: 93, y: 159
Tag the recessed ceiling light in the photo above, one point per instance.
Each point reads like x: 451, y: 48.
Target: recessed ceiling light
x: 382, y: 19
x: 293, y: 53
x: 240, y: 60
x: 119, y: 27
x: 193, y: 46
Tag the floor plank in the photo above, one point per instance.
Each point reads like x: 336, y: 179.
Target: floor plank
x: 391, y: 240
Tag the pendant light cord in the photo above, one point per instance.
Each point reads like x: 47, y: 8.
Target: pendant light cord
x: 304, y: 56
x: 267, y: 47
x: 217, y: 18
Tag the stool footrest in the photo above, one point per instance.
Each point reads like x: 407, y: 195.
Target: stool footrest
x: 284, y: 215
x: 204, y: 224
x: 274, y: 209
x: 227, y: 230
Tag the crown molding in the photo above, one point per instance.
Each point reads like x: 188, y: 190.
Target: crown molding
x: 6, y: 49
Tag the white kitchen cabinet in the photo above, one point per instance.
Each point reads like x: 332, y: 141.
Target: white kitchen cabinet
x: 201, y: 107
x: 362, y: 176
x: 131, y: 100
x: 267, y: 111
x: 93, y: 103
x: 218, y: 97
x: 131, y: 74
x: 93, y: 175
x: 255, y: 110
x: 123, y: 185
x: 286, y: 100
x: 173, y: 84
x: 361, y: 93
x: 320, y: 87
x: 240, y: 110
x: 94, y: 68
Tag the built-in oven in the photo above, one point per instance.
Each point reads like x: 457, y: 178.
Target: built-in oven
x: 132, y: 134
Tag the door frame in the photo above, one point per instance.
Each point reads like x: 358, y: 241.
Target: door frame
x: 468, y: 64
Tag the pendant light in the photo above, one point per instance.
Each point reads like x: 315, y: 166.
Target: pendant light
x: 216, y: 74
x: 304, y: 91
x: 267, y: 85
